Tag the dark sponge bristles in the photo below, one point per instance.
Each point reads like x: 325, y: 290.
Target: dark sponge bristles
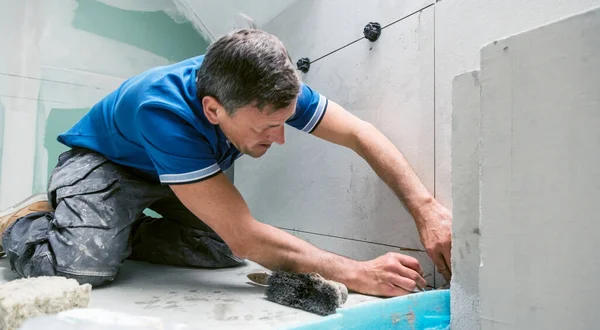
x: 309, y: 292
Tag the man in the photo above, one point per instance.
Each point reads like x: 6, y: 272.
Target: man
x: 161, y: 141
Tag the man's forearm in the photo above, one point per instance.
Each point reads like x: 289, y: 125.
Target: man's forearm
x: 276, y: 249
x: 391, y: 166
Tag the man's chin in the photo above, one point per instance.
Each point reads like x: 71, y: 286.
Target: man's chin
x: 256, y: 154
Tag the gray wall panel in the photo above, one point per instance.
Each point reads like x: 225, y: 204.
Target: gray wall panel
x: 313, y: 28
x: 311, y: 185
x: 365, y: 251
x: 540, y: 179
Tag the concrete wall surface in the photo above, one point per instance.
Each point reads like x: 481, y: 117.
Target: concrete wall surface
x: 540, y: 179
x: 462, y: 27
x: 304, y: 185
x: 311, y: 186
x: 464, y: 298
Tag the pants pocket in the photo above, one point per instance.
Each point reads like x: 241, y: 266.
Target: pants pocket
x: 87, y: 204
x: 82, y: 191
x: 73, y: 166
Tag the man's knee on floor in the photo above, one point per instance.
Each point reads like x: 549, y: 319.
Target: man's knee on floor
x: 86, y: 265
x: 41, y: 264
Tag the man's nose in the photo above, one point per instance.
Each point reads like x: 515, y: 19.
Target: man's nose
x: 278, y: 135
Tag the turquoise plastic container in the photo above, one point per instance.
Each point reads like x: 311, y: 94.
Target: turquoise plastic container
x: 419, y: 311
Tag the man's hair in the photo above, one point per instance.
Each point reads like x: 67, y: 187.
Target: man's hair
x: 248, y: 66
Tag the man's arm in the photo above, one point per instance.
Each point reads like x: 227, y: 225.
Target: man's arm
x: 432, y: 220
x: 218, y: 203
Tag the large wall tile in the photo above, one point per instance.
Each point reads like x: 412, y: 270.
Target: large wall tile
x: 540, y: 179
x: 464, y: 300
x: 364, y: 251
x: 461, y: 29
x: 311, y: 185
x: 313, y: 28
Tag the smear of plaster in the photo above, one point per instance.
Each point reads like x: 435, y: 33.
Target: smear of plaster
x: 221, y: 310
x: 156, y: 31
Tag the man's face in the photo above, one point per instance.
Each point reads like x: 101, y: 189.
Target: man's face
x: 252, y: 131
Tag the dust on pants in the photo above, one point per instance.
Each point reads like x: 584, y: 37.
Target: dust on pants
x: 98, y: 222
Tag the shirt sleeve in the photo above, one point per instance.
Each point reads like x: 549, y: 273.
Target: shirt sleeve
x: 179, y: 152
x: 310, y: 109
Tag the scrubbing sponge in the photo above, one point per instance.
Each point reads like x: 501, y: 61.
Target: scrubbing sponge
x: 309, y: 292
x: 30, y: 297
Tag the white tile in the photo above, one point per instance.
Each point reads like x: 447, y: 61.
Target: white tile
x: 461, y: 29
x: 464, y: 298
x: 311, y: 185
x: 540, y: 177
x: 313, y: 28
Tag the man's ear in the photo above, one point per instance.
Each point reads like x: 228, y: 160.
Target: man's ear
x: 212, y: 109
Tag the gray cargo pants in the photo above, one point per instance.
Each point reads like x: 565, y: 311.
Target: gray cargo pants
x: 98, y: 222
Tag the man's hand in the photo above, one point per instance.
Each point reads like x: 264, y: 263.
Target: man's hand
x: 219, y: 204
x: 390, y: 275
x: 433, y: 220
x: 435, y: 229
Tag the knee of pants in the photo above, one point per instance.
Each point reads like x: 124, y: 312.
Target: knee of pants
x: 88, y: 254
x: 82, y: 260
x: 42, y: 263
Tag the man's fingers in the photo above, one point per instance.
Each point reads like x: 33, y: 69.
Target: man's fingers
x: 440, y: 263
x: 412, y: 263
x: 447, y: 275
x: 404, y: 283
x: 414, y: 274
x: 448, y: 262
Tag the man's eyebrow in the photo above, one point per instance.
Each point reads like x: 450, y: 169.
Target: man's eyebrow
x: 275, y: 125
x: 271, y: 125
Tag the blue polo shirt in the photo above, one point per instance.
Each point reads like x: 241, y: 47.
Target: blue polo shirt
x: 155, y: 123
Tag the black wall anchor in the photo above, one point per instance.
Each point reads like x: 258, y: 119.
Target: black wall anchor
x: 372, y: 31
x: 303, y: 64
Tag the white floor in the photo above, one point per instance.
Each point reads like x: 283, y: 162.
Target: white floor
x: 210, y: 299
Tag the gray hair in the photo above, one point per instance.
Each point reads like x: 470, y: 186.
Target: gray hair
x: 248, y: 66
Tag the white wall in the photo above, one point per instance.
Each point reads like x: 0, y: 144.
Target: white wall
x: 540, y: 178
x: 464, y: 298
x: 50, y: 63
x: 462, y: 27
x: 219, y: 17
